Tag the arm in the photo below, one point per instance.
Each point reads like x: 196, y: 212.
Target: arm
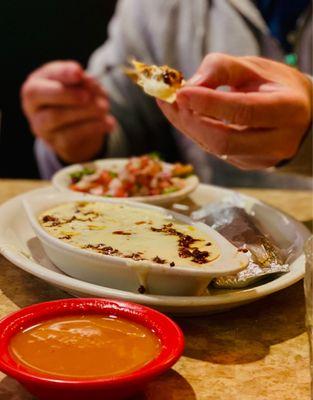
x: 69, y: 111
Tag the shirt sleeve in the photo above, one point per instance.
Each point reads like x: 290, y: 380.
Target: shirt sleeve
x: 47, y: 161
x: 129, y: 36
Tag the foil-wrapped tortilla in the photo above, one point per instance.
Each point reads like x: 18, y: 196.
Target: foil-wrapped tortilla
x: 242, y: 230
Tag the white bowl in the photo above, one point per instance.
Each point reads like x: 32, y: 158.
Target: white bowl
x: 61, y: 180
x: 127, y: 274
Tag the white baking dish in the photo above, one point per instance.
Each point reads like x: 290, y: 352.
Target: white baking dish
x: 126, y: 274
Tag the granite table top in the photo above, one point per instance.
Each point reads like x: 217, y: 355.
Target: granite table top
x: 255, y: 352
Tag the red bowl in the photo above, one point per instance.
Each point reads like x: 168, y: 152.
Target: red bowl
x: 47, y: 387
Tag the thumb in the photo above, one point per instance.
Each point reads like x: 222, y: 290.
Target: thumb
x: 222, y: 70
x: 66, y: 72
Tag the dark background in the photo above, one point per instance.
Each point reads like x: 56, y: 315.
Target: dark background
x: 33, y: 32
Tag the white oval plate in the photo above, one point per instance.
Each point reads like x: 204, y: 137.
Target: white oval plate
x: 19, y: 245
x: 61, y: 181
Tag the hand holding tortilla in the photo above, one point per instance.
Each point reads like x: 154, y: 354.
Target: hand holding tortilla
x: 249, y: 125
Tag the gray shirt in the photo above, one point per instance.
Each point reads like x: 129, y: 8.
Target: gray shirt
x: 180, y: 33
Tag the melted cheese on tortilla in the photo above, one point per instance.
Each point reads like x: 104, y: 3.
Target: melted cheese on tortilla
x: 128, y: 230
x: 157, y: 88
x: 152, y: 79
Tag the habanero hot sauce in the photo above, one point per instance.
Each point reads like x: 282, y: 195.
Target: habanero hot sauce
x: 84, y: 347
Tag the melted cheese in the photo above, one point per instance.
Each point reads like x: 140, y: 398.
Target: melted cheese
x: 161, y: 82
x: 128, y: 230
x: 157, y: 88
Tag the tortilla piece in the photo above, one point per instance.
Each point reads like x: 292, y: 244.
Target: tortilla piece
x: 161, y: 82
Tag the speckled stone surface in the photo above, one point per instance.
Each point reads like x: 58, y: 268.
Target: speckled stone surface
x: 255, y: 352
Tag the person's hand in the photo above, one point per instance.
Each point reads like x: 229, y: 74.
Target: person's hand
x: 67, y: 109
x: 257, y: 123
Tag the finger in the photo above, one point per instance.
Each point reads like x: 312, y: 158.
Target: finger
x: 91, y: 83
x: 67, y: 72
x: 221, y: 69
x: 171, y: 111
x: 49, y: 119
x: 220, y: 139
x: 256, y: 147
x: 111, y: 123
x: 40, y: 92
x: 251, y: 109
x: 261, y: 146
x: 210, y: 135
x: 184, y: 120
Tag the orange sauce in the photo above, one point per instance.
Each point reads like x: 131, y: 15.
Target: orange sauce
x: 86, y: 347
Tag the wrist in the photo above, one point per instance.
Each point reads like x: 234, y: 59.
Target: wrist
x: 301, y: 162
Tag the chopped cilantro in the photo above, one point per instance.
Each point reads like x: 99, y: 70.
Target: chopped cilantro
x: 186, y: 175
x: 155, y: 155
x: 170, y: 190
x: 77, y: 175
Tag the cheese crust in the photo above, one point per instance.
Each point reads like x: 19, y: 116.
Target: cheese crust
x: 128, y: 232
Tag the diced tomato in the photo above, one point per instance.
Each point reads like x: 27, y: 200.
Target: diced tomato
x: 128, y: 186
x: 121, y: 192
x: 74, y: 187
x: 155, y: 168
x: 86, y: 189
x: 154, y: 192
x: 144, y: 161
x: 165, y: 184
x: 105, y: 178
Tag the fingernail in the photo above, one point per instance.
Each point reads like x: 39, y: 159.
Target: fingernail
x: 195, y: 80
x: 77, y: 74
x: 73, y: 74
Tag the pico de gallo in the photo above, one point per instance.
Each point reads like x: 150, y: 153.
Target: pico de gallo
x: 146, y: 175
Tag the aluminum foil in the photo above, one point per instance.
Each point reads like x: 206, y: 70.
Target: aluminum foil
x: 233, y: 220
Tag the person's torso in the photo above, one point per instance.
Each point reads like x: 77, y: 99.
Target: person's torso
x: 182, y: 32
